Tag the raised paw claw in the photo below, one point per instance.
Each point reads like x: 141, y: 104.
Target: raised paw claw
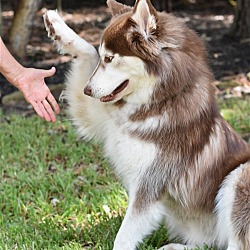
x: 50, y: 29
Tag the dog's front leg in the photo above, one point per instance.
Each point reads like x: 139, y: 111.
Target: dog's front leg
x: 68, y: 42
x: 138, y: 223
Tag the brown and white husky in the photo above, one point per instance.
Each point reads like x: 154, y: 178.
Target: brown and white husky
x: 147, y: 96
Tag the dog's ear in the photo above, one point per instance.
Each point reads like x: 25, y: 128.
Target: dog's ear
x: 145, y: 16
x: 117, y: 8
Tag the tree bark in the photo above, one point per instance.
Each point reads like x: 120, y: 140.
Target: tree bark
x: 22, y: 26
x: 59, y: 6
x: 241, y: 25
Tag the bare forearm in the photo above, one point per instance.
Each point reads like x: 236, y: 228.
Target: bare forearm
x: 30, y: 82
x: 9, y: 67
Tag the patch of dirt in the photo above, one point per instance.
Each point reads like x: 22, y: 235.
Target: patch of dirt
x: 227, y: 57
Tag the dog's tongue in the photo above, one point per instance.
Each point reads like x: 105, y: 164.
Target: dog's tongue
x: 108, y: 98
x: 112, y: 96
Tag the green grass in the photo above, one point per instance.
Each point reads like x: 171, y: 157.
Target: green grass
x: 237, y: 112
x: 57, y: 192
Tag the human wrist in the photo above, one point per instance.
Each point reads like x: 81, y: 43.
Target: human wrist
x: 15, y: 76
x: 11, y: 69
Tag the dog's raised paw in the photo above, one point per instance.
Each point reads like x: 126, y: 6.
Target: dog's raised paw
x: 65, y: 39
x: 52, y: 20
x: 58, y: 31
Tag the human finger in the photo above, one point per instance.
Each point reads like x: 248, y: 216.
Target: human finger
x: 53, y: 103
x: 49, y: 110
x: 37, y: 109
x: 49, y: 72
x: 44, y: 110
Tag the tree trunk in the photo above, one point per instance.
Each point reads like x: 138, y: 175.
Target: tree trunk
x: 59, y: 6
x: 241, y: 25
x: 21, y: 26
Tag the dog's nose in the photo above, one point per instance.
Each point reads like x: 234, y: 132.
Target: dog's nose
x: 87, y: 91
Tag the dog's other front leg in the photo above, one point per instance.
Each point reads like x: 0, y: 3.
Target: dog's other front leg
x: 174, y: 246
x: 138, y: 223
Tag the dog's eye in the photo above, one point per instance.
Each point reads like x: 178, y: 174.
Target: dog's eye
x: 108, y: 59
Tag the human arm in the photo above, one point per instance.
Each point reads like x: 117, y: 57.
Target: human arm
x: 30, y: 82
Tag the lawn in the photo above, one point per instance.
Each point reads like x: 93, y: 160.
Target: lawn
x: 58, y: 192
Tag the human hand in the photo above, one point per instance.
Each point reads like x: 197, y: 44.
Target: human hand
x: 30, y: 82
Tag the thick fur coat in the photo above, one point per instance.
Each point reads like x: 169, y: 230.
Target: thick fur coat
x: 149, y: 99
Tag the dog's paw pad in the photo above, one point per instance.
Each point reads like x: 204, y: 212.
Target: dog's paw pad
x: 65, y: 39
x: 54, y: 25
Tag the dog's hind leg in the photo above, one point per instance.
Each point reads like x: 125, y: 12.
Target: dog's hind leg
x: 67, y: 41
x: 233, y: 209
x: 137, y: 224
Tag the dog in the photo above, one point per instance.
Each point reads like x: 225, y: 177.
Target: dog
x: 148, y: 97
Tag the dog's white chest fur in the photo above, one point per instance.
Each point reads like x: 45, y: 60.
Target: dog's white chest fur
x: 129, y: 155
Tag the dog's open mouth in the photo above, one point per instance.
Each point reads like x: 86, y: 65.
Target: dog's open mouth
x: 112, y: 96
